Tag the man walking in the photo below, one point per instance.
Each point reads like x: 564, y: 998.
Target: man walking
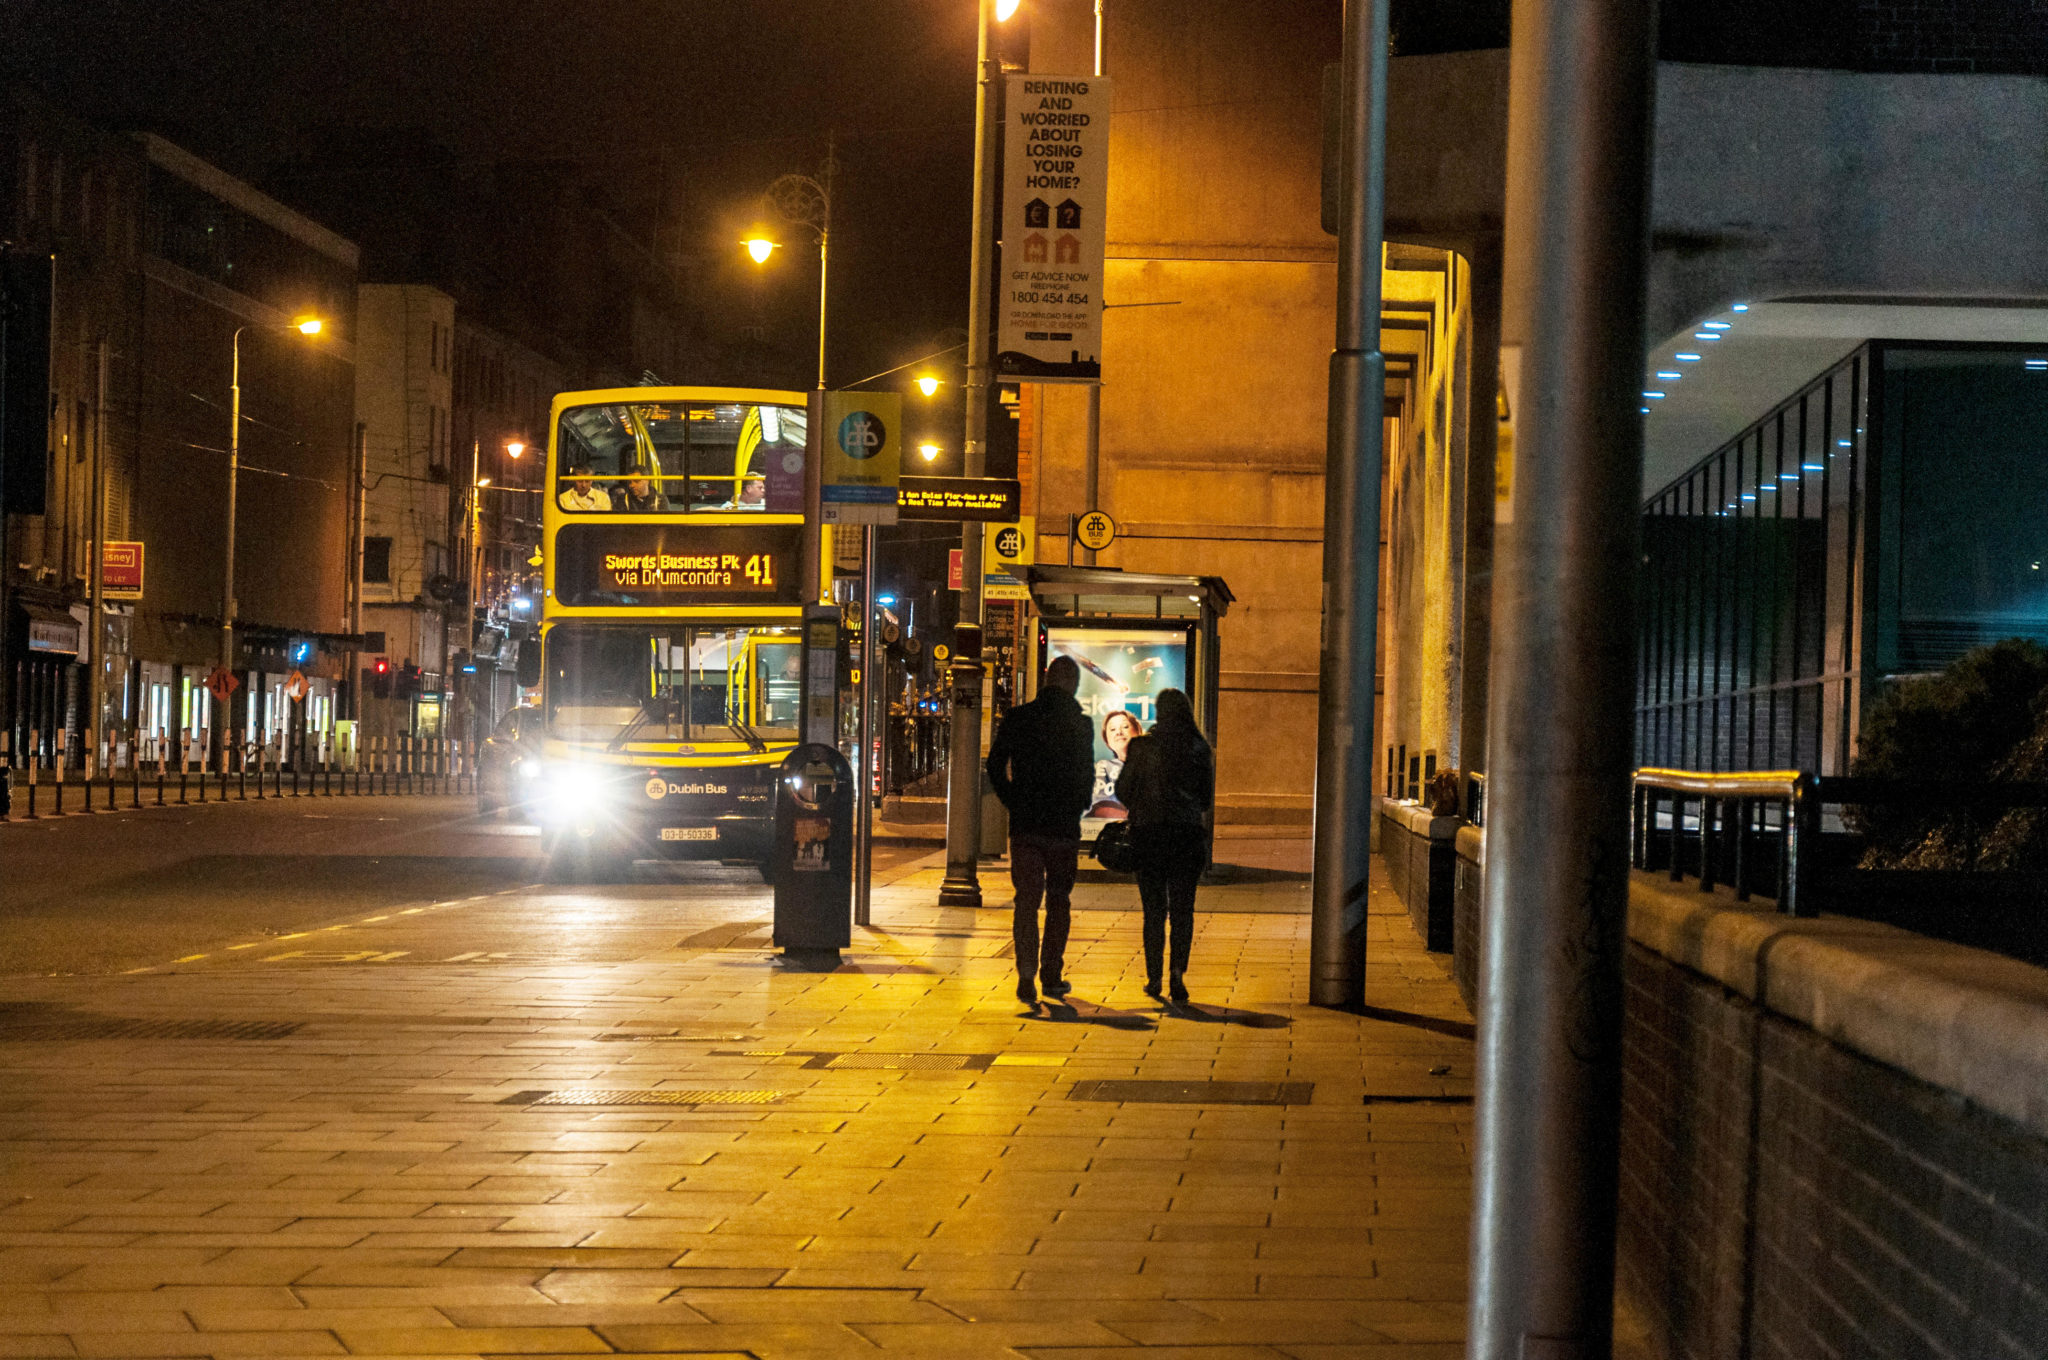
x: 1042, y: 765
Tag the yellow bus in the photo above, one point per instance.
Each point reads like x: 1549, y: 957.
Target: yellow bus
x: 670, y: 629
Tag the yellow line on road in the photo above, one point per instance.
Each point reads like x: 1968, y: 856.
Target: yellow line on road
x: 189, y: 958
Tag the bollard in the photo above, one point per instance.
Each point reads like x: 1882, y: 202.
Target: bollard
x: 242, y: 776
x: 34, y: 758
x: 259, y: 748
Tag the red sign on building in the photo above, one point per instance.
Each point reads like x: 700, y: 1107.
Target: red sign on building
x: 121, y: 571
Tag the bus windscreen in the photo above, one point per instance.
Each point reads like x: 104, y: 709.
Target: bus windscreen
x: 678, y: 457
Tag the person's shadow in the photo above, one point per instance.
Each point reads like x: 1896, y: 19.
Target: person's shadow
x: 1072, y: 1010
x: 1227, y: 1015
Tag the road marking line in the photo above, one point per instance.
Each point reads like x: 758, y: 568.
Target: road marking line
x: 295, y: 935
x: 367, y: 919
x: 250, y: 945
x: 189, y: 958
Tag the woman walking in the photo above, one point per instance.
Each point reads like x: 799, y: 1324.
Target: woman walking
x: 1169, y: 785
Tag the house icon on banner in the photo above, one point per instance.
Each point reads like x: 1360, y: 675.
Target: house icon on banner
x: 1036, y: 213
x: 1069, y: 215
x: 1066, y: 250
x: 1034, y: 248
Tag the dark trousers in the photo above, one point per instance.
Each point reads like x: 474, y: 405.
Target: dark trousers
x: 1042, y: 867
x: 1170, y: 863
x: 1168, y: 896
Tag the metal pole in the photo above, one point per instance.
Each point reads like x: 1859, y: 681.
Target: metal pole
x: 96, y: 650
x: 1580, y: 104
x: 1094, y: 455
x: 1351, y: 532
x: 227, y: 589
x: 360, y: 506
x: 863, y: 826
x: 962, y: 886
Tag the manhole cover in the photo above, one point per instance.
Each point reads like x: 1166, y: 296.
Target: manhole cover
x: 112, y: 1027
x: 1195, y: 1092
x: 588, y: 1097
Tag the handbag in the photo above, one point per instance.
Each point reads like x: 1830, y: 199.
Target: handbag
x: 1113, y: 849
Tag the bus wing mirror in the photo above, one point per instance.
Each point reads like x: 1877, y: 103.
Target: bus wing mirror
x: 529, y: 662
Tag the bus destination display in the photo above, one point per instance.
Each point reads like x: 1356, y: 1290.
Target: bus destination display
x: 598, y: 565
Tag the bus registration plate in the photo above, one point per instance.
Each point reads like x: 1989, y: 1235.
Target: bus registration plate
x: 689, y: 833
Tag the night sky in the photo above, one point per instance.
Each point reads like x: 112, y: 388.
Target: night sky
x: 673, y: 113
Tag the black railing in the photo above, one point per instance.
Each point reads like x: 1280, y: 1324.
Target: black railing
x: 1764, y: 831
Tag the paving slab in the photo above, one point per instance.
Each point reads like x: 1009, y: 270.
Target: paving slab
x: 543, y: 1120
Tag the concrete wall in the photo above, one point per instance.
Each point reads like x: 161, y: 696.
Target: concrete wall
x: 1216, y: 347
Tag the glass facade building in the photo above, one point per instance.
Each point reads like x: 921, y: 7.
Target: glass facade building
x: 1881, y: 521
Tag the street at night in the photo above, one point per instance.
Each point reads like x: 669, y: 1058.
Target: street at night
x: 355, y: 1084
x: 1024, y: 679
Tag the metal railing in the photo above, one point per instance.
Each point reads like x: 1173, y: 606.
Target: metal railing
x: 1738, y: 815
x: 1719, y: 824
x: 144, y: 771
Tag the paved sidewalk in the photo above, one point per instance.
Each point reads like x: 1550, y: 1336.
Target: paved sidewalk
x: 540, y: 1122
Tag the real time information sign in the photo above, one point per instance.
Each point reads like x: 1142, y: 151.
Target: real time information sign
x: 658, y: 565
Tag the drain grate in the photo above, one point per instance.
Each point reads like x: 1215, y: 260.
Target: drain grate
x: 580, y: 1096
x: 1195, y: 1092
x: 1417, y: 1100
x: 114, y: 1027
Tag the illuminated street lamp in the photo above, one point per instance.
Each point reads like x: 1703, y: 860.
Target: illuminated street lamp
x: 514, y: 447
x: 760, y: 248
x: 307, y: 325
x: 929, y: 452
x: 928, y: 385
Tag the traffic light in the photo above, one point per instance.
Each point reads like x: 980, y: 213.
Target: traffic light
x: 408, y: 681
x: 377, y: 678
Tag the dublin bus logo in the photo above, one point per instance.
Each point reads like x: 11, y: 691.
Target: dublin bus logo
x: 861, y: 435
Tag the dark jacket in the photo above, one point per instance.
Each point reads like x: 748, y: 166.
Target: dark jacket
x: 1042, y: 765
x: 1169, y: 785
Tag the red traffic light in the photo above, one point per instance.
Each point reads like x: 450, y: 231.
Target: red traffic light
x: 382, y: 666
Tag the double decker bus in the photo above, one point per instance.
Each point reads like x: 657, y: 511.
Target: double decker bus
x: 670, y: 629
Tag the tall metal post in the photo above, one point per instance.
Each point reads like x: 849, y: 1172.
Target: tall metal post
x: 227, y: 588
x: 96, y: 647
x: 1092, y: 464
x: 962, y: 886
x: 1580, y: 107
x: 864, y: 826
x: 359, y: 511
x: 1345, y: 787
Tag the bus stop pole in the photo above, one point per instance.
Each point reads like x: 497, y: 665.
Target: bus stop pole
x: 1351, y: 532
x: 962, y: 886
x: 864, y: 768
x: 1580, y: 110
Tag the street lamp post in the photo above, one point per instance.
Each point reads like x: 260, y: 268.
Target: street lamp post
x: 962, y: 885
x: 305, y: 325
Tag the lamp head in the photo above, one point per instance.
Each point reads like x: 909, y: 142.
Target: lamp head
x: 760, y: 248
x: 308, y: 325
x: 928, y: 385
x: 1005, y: 9
x: 930, y: 452
x: 514, y: 447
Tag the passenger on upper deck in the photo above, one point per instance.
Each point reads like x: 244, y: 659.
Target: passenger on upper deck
x: 580, y: 493
x: 638, y: 495
x: 753, y: 495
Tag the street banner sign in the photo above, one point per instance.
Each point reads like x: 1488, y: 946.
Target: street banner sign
x: 956, y: 571
x: 121, y: 571
x: 958, y: 498
x: 863, y: 447
x: 1096, y: 531
x: 1055, y: 196
x: 1004, y: 546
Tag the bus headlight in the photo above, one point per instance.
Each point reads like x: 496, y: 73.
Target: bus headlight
x: 570, y: 792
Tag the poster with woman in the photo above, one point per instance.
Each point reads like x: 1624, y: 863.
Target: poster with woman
x: 1122, y: 672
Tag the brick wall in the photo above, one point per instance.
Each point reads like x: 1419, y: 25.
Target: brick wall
x: 1785, y: 1198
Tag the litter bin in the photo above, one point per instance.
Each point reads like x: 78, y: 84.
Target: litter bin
x: 813, y: 851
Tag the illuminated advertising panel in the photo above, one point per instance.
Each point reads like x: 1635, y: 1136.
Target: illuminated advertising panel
x: 1122, y: 672
x: 660, y: 565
